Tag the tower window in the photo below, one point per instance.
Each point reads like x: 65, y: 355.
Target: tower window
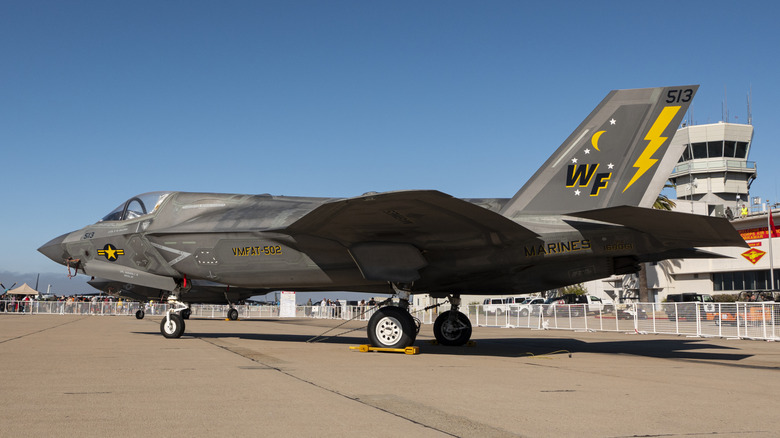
x: 741, y: 149
x: 715, y: 149
x: 699, y: 150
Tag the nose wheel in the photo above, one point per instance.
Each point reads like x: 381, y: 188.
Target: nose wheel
x: 172, y: 326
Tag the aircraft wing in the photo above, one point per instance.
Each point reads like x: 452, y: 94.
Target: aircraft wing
x: 386, y: 232
x: 420, y: 217
x: 690, y: 229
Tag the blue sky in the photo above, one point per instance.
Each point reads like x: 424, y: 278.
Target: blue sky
x: 102, y: 100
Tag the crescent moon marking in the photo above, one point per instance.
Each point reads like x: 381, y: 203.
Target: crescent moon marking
x: 595, y: 139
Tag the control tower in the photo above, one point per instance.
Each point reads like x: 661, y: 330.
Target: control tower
x: 713, y: 168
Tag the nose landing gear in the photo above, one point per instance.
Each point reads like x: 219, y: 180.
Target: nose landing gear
x: 172, y: 326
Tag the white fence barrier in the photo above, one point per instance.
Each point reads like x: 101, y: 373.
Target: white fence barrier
x: 728, y: 320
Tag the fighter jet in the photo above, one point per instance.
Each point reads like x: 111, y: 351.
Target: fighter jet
x: 583, y: 215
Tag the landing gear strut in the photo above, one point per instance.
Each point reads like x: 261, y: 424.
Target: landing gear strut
x: 452, y: 327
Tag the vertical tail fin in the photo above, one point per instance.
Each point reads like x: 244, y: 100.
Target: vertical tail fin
x: 620, y: 155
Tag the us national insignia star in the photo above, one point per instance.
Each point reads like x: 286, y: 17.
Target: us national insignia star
x: 110, y: 252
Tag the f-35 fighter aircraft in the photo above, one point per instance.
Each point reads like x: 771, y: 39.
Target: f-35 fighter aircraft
x: 584, y: 215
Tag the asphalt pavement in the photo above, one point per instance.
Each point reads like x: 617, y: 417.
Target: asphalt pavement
x: 117, y: 376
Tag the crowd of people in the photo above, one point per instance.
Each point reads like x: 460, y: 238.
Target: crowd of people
x: 11, y: 303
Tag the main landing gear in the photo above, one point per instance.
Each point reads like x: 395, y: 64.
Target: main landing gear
x: 232, y: 314
x: 394, y: 326
x: 452, y: 327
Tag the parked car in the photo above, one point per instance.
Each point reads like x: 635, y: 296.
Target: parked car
x: 627, y: 311
x: 745, y: 309
x: 494, y: 305
x: 579, y: 305
x: 502, y: 305
x: 528, y: 305
x: 685, y: 309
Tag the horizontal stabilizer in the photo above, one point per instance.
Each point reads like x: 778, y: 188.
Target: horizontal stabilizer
x: 682, y: 228
x: 684, y: 253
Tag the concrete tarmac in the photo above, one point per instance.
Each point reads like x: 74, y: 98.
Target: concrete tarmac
x: 117, y: 376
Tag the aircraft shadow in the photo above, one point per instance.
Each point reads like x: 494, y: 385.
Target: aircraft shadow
x: 680, y: 349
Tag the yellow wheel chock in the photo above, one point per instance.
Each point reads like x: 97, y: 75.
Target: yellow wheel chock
x: 366, y: 348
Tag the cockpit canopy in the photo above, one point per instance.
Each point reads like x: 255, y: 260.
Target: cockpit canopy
x: 137, y: 206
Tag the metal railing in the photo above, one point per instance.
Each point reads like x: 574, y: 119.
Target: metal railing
x: 727, y: 320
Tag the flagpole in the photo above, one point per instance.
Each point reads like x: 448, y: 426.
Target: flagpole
x: 770, y: 231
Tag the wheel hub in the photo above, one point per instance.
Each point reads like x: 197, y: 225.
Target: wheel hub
x: 389, y: 330
x: 450, y: 330
x: 170, y: 326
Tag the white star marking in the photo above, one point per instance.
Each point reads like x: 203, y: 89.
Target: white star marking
x: 587, y: 151
x: 612, y: 121
x: 577, y: 192
x: 573, y: 160
x: 610, y: 166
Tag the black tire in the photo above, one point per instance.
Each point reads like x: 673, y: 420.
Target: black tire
x: 186, y: 313
x: 139, y: 314
x: 391, y: 327
x: 450, y: 333
x: 173, y: 328
x: 524, y: 312
x: 232, y: 314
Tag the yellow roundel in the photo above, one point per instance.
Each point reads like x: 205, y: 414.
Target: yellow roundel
x: 595, y: 140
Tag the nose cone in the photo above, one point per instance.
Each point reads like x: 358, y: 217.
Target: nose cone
x: 55, y: 250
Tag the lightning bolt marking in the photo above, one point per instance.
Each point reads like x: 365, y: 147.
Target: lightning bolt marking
x: 646, y: 160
